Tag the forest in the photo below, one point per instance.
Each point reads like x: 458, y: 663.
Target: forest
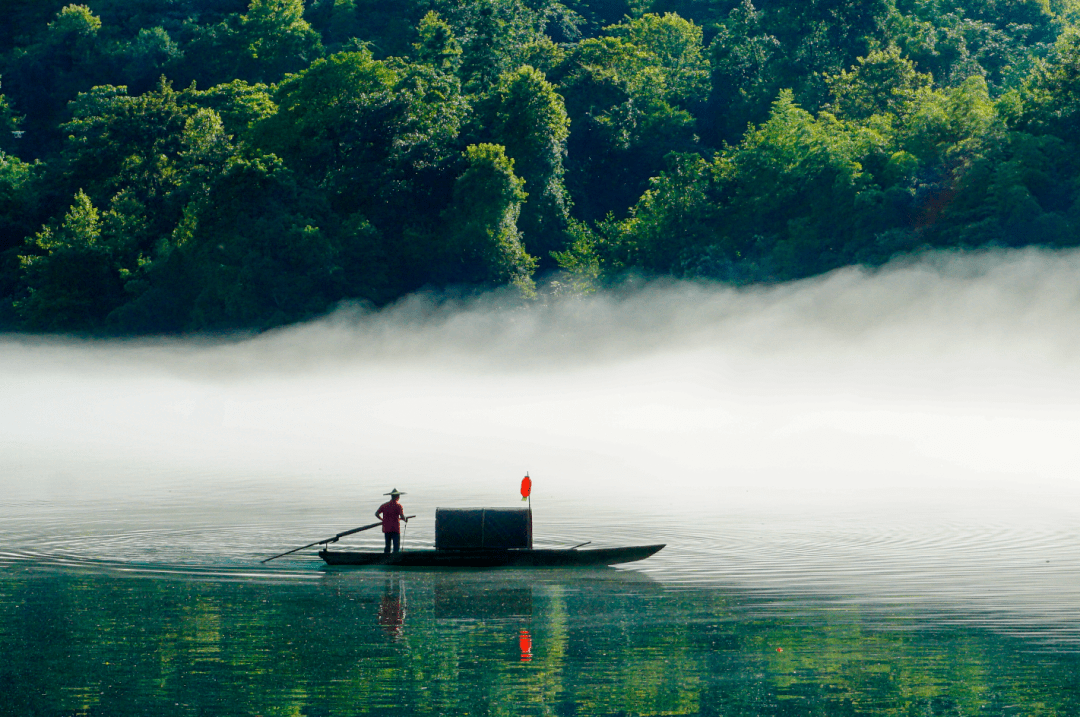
x: 184, y: 166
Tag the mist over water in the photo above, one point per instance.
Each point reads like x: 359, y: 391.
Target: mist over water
x: 950, y: 379
x: 911, y: 430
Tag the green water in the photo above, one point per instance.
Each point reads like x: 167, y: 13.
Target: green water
x: 109, y: 641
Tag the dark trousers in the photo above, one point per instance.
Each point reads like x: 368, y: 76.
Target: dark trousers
x: 394, y: 538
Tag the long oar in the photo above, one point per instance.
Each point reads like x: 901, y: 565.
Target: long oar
x: 328, y: 540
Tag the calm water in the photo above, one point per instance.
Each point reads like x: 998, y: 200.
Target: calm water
x: 867, y: 483
x: 112, y: 609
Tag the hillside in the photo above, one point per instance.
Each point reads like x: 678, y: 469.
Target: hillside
x: 209, y: 165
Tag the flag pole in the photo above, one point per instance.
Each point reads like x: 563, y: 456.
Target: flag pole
x: 526, y: 494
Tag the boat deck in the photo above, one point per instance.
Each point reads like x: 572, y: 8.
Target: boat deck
x: 493, y: 558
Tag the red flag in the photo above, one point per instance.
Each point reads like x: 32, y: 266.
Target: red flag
x: 526, y: 487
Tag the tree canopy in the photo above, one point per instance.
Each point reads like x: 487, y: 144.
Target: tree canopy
x: 204, y: 165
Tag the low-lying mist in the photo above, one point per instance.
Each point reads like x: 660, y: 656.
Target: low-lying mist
x: 947, y: 381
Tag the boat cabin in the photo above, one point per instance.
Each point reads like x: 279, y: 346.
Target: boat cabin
x: 483, y: 528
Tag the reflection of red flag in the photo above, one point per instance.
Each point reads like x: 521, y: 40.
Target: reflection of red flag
x: 525, y: 643
x: 526, y: 487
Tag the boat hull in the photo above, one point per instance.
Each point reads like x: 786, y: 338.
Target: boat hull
x: 536, y: 558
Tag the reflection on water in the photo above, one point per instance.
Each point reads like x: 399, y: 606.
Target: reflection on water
x: 392, y: 607
x: 168, y: 610
x: 525, y: 645
x: 818, y: 614
x: 1019, y: 573
x: 588, y: 642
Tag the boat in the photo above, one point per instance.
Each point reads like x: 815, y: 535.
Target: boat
x: 489, y: 538
x: 493, y: 557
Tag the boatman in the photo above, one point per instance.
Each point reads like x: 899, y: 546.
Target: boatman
x: 391, y: 514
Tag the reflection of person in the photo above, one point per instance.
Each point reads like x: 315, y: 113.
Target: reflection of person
x: 391, y: 514
x: 392, y: 609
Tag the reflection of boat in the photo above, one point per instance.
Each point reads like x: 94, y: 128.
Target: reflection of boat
x: 493, y: 557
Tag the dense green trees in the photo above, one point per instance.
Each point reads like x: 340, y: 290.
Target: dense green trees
x: 9, y: 125
x: 278, y: 39
x: 526, y: 115
x: 73, y: 280
x: 224, y: 164
x: 483, y: 240
x: 627, y: 94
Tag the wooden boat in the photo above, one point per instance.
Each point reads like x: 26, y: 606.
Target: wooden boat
x: 494, y: 558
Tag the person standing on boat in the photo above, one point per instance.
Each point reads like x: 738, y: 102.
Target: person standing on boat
x: 391, y: 514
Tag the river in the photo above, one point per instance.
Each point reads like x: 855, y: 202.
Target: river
x: 866, y: 484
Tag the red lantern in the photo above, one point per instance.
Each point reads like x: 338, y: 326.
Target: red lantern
x: 526, y: 487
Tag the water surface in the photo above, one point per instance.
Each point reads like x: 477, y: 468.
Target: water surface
x: 866, y: 483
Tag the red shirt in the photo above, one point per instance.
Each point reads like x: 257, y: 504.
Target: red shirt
x: 391, y: 513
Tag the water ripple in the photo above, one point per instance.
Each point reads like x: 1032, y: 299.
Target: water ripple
x: 1015, y: 577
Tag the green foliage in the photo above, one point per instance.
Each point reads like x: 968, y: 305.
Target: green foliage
x: 944, y: 125
x: 625, y: 103
x: 1013, y: 192
x: 9, y: 124
x: 214, y: 53
x: 72, y: 269
x: 205, y: 147
x: 437, y: 45
x: 674, y: 48
x: 802, y: 194
x: 239, y: 104
x: 674, y: 214
x: 497, y: 35
x: 1052, y: 94
x: 883, y: 83
x: 581, y: 261
x: 74, y: 24
x: 255, y: 255
x: 745, y: 77
x: 117, y: 143
x: 251, y: 251
x: 150, y: 55
x: 19, y: 207
x: 780, y: 205
x: 384, y: 28
x: 330, y: 117
x: 1000, y: 41
x: 44, y: 76
x: 16, y: 198
x: 360, y: 128
x: 278, y: 38
x: 528, y: 118
x: 483, y: 242
x: 470, y: 142
x: 820, y: 38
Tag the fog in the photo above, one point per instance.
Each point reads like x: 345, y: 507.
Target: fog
x: 947, y: 382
